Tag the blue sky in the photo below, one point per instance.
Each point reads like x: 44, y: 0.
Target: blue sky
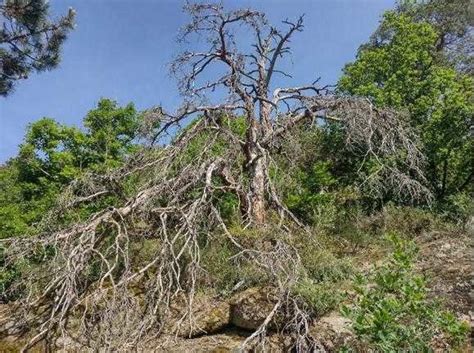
x: 121, y: 49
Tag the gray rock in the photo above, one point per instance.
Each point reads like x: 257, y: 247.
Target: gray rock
x: 250, y: 308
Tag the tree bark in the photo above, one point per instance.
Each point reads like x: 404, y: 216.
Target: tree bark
x: 257, y: 191
x: 255, y: 165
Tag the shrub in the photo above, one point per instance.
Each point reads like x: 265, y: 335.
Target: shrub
x: 391, y: 311
x: 409, y: 221
x: 321, y: 264
x: 321, y: 297
x: 457, y: 207
x: 224, y: 272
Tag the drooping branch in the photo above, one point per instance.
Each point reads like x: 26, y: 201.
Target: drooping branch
x: 176, y: 207
x: 246, y: 74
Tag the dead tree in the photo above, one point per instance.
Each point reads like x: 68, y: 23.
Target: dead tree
x: 243, y: 76
x: 175, y: 199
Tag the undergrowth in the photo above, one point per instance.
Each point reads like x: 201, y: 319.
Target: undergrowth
x: 391, y: 311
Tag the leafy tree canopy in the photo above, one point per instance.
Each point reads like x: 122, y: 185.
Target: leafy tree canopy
x: 53, y: 154
x: 453, y: 21
x: 400, y: 68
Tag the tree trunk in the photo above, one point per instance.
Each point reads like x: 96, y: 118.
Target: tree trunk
x: 255, y: 165
x: 257, y: 191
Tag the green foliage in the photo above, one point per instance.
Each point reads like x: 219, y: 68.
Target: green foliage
x: 319, y: 259
x: 11, y: 212
x: 324, y: 273
x: 392, y: 312
x: 312, y: 192
x: 400, y: 68
x: 316, y: 177
x: 207, y: 140
x: 11, y: 286
x: 226, y: 202
x: 228, y: 205
x: 110, y: 134
x: 48, y: 154
x: 458, y: 207
x: 8, y: 275
x: 53, y: 152
x: 453, y: 21
x: 29, y: 40
x: 216, y: 261
x: 320, y: 297
x: 224, y: 271
x: 408, y: 221
x: 52, y: 155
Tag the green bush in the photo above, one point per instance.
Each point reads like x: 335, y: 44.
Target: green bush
x: 323, y: 274
x: 457, y: 207
x: 321, y: 264
x: 316, y: 197
x: 409, y: 221
x: 321, y: 297
x: 8, y: 276
x: 391, y: 311
x: 224, y: 272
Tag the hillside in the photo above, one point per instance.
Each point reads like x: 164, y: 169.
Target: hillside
x: 259, y: 215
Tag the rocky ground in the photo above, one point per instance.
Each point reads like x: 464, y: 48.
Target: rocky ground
x: 221, y: 326
x: 448, y: 261
x: 445, y: 258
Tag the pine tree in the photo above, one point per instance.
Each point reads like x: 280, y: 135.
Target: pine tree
x: 29, y: 40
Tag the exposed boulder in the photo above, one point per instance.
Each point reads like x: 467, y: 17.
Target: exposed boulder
x: 209, y: 316
x: 250, y: 308
x: 332, y: 331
